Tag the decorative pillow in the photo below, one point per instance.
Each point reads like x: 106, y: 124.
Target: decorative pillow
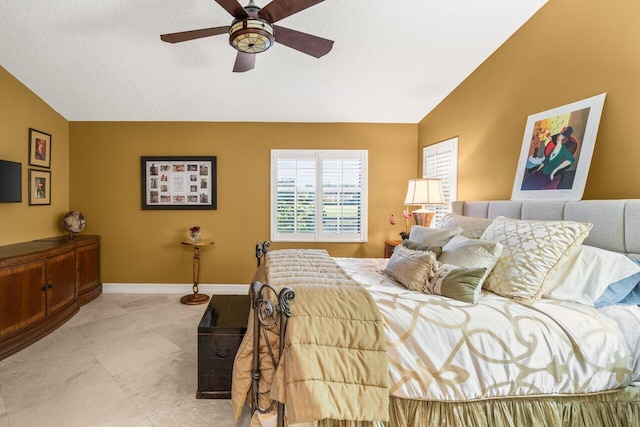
x: 415, y: 246
x: 411, y: 268
x: 455, y: 282
x: 471, y: 227
x: 532, y: 253
x: 590, y: 272
x: 472, y: 253
x: 432, y: 236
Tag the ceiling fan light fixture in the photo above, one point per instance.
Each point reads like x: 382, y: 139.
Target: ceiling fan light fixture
x: 251, y: 35
x: 252, y: 31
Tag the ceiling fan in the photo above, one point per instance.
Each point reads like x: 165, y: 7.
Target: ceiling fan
x: 252, y: 31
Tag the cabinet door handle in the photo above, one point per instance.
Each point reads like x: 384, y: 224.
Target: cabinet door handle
x: 44, y: 288
x: 49, y: 286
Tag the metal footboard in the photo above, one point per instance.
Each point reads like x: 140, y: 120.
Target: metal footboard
x: 269, y: 317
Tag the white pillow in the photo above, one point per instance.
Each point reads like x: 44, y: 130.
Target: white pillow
x: 471, y: 253
x: 587, y: 273
x: 532, y: 253
x: 471, y: 227
x: 432, y: 236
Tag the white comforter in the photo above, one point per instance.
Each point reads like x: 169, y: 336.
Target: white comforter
x: 442, y: 349
x: 628, y: 320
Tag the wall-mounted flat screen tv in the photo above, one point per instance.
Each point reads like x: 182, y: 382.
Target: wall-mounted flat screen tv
x: 10, y: 181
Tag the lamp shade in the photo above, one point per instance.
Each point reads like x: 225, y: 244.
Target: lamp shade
x: 427, y: 191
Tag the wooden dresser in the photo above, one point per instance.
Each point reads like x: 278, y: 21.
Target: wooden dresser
x: 39, y: 287
x: 220, y: 333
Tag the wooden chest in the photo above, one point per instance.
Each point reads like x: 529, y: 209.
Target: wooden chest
x: 219, y: 335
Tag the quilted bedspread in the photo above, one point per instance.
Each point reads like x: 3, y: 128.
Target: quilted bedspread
x: 334, y: 363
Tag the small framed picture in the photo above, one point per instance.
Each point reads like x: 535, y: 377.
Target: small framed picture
x: 39, y: 187
x: 39, y: 149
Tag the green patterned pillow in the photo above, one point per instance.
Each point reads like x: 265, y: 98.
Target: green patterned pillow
x: 532, y: 252
x: 455, y: 282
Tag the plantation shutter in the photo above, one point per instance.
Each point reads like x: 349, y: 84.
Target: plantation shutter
x: 441, y: 161
x: 341, y: 195
x: 319, y: 195
x: 296, y: 195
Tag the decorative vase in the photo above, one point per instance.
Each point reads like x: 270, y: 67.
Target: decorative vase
x: 195, y: 237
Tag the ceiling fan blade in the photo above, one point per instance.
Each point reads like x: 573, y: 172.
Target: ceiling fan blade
x: 280, y: 9
x: 234, y: 8
x: 244, y: 62
x: 193, y: 34
x: 303, y: 42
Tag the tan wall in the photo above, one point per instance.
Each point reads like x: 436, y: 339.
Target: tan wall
x: 570, y: 50
x: 142, y: 246
x: 21, y: 109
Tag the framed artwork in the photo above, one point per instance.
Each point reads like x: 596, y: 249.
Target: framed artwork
x: 556, y: 151
x: 39, y: 149
x: 173, y: 182
x: 39, y: 187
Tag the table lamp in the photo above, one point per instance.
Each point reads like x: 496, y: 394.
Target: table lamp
x: 420, y: 192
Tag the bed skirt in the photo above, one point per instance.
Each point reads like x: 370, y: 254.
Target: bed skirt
x: 614, y: 409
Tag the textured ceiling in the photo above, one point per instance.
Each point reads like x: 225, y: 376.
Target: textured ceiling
x: 393, y: 61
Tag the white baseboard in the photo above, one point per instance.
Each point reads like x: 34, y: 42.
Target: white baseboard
x: 161, y: 288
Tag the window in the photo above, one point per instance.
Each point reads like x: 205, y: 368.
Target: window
x: 441, y: 161
x: 319, y: 195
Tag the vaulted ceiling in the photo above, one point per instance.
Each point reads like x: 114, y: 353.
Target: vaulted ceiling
x: 392, y: 61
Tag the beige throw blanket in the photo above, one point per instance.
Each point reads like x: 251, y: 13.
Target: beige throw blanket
x: 334, y: 362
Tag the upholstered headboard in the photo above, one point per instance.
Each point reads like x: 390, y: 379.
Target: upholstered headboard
x: 616, y: 223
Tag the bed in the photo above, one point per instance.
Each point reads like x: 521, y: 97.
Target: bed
x: 414, y: 340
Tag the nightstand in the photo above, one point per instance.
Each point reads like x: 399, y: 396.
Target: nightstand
x: 389, y: 246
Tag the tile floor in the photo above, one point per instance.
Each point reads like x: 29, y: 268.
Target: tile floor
x: 123, y: 360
